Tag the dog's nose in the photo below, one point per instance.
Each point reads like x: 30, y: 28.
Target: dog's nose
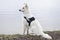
x: 19, y: 10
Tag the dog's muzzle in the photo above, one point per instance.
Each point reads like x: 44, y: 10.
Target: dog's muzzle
x: 21, y: 10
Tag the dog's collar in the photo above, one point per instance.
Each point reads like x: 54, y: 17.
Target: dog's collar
x: 29, y: 20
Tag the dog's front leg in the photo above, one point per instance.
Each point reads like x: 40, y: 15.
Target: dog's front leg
x: 24, y: 30
x: 25, y: 27
x: 27, y: 30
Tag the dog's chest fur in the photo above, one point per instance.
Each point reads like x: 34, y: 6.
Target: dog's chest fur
x: 29, y: 20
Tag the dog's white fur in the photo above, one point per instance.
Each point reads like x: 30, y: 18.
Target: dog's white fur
x: 35, y: 26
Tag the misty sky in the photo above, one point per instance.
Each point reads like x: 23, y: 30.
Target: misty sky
x: 46, y: 11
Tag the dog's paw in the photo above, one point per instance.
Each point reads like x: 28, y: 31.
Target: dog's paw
x: 32, y: 33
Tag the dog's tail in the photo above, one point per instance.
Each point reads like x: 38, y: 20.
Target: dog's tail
x: 46, y: 36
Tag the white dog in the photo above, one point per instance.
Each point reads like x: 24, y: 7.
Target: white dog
x: 32, y: 23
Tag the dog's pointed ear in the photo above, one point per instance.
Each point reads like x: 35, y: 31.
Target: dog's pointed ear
x: 26, y: 5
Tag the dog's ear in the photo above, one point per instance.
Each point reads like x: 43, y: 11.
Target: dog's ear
x: 26, y: 5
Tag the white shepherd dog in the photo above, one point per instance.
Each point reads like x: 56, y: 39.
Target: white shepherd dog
x: 31, y: 23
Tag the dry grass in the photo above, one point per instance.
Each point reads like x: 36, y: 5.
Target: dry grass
x: 55, y: 35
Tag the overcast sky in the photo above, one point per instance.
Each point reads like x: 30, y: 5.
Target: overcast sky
x: 46, y: 11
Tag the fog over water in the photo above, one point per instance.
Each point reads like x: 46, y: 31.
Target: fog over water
x: 46, y: 11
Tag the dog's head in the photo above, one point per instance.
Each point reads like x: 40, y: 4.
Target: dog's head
x: 24, y: 8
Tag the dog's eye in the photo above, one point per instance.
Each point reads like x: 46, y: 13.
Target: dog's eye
x: 23, y: 7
